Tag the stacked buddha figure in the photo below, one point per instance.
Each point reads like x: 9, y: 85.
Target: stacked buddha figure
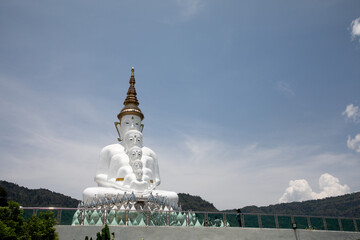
x: 135, y: 154
x: 128, y: 167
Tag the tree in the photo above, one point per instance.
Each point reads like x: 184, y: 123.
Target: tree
x: 42, y: 227
x: 104, y: 234
x: 13, y: 226
x: 3, y: 197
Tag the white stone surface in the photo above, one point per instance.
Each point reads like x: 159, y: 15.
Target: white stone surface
x: 127, y: 166
x: 203, y: 233
x: 129, y: 122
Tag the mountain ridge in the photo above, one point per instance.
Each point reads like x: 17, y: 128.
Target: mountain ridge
x: 37, y: 197
x: 347, y: 205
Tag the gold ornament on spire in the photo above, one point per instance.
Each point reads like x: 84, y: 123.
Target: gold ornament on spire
x: 131, y: 103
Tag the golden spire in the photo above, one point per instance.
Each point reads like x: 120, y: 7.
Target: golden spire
x: 131, y: 103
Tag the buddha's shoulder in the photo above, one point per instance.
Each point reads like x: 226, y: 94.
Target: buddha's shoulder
x: 148, y: 151
x: 112, y: 148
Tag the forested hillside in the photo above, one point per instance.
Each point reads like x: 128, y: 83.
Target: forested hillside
x: 37, y: 197
x: 342, y: 206
x: 195, y: 203
x: 46, y: 198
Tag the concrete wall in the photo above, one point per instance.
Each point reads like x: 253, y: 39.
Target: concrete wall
x: 187, y: 233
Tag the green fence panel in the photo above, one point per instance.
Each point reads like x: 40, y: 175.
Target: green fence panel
x: 198, y: 220
x: 284, y: 222
x: 139, y: 218
x: 178, y: 219
x: 27, y: 213
x: 202, y: 219
x: 348, y: 225
x: 215, y: 220
x: 251, y: 221
x: 301, y: 222
x: 134, y: 217
x: 268, y: 221
x: 157, y: 219
x: 67, y: 217
x: 332, y: 224
x: 233, y: 220
x: 317, y: 223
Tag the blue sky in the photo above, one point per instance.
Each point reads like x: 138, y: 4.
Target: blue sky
x: 244, y: 101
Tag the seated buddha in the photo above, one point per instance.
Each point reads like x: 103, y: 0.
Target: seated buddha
x: 128, y: 166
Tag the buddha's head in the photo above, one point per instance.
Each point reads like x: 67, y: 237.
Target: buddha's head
x: 135, y: 153
x: 131, y: 139
x: 130, y: 116
x: 129, y: 122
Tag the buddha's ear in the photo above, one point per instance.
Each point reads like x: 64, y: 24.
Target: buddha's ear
x: 117, y: 126
x: 141, y: 127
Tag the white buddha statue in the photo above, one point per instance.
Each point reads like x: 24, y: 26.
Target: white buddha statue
x: 128, y: 166
x: 121, y: 172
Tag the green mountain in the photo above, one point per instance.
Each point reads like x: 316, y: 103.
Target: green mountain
x: 195, y: 203
x: 46, y: 198
x: 37, y: 197
x: 341, y: 206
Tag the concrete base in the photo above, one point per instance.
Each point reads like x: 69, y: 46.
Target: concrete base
x: 203, y: 233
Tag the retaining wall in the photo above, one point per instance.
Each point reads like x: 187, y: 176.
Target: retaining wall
x: 203, y: 233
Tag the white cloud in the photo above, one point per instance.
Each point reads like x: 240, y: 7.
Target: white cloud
x: 354, y: 143
x: 355, y: 28
x: 300, y: 190
x: 330, y: 187
x: 284, y: 87
x: 352, y: 112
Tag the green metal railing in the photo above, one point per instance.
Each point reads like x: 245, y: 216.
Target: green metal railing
x: 65, y: 216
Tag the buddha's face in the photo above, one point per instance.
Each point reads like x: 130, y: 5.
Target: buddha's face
x: 138, y: 164
x: 129, y: 122
x: 135, y: 153
x: 133, y: 138
x: 137, y: 169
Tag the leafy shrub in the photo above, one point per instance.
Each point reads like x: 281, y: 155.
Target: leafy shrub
x: 13, y: 226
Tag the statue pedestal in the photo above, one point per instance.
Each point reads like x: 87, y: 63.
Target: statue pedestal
x: 93, y: 193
